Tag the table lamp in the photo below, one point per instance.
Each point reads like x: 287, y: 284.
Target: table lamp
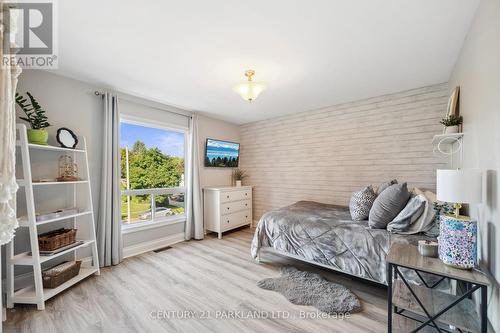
x: 457, y: 233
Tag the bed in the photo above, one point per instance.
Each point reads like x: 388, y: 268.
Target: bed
x: 325, y: 235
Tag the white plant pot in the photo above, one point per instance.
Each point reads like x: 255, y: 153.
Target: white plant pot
x: 451, y: 129
x: 238, y: 183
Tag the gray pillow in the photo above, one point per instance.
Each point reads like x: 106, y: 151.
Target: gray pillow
x: 388, y: 205
x: 412, y: 211
x: 385, y: 185
x: 361, y: 202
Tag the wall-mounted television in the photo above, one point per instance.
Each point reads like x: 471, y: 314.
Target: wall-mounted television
x: 222, y: 154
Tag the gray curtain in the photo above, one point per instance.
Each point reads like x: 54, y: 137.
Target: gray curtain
x: 109, y: 233
x: 194, y: 222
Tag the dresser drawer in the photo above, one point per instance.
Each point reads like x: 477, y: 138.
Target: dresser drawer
x: 236, y: 219
x: 235, y: 195
x: 235, y: 206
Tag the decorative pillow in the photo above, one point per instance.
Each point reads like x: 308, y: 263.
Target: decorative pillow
x: 385, y: 185
x: 412, y: 211
x: 426, y: 221
x: 361, y: 202
x: 388, y: 205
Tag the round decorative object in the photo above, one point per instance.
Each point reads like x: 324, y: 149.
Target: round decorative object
x: 66, y: 138
x: 458, y: 241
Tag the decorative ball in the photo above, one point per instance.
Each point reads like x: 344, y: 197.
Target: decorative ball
x: 458, y: 242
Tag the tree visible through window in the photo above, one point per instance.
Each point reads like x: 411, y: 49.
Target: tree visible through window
x: 152, y: 169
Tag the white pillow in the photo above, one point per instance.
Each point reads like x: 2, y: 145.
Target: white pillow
x: 426, y: 220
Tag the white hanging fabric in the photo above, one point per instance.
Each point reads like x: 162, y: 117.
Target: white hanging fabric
x: 8, y: 84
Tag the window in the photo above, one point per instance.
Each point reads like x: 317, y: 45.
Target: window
x: 152, y: 173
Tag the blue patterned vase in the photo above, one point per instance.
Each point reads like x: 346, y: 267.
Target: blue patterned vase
x: 457, y: 242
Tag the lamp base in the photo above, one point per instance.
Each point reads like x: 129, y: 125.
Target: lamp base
x: 458, y: 217
x: 458, y: 241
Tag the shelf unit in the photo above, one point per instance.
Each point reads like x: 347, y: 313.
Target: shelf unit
x: 454, y: 143
x: 35, y: 293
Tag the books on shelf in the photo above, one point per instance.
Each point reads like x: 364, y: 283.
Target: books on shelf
x: 56, y: 214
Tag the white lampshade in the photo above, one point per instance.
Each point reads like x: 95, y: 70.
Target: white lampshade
x: 459, y: 186
x: 249, y: 90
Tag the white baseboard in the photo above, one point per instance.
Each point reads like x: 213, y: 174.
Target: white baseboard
x: 147, y: 246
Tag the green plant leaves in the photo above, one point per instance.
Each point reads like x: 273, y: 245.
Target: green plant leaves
x: 34, y: 112
x: 452, y: 120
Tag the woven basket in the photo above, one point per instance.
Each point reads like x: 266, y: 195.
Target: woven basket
x: 55, y: 276
x: 56, y: 239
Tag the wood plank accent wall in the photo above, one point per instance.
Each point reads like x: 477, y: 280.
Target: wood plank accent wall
x: 325, y: 155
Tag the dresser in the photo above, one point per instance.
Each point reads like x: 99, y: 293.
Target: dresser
x: 226, y: 208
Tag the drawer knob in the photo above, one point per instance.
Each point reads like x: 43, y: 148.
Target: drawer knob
x: 227, y: 208
x: 227, y: 196
x: 246, y: 204
x: 246, y: 193
x: 246, y: 216
x: 227, y: 221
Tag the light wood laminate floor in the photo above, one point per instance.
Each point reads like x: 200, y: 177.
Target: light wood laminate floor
x: 214, y: 279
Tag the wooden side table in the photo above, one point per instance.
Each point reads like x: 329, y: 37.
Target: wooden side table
x: 422, y: 308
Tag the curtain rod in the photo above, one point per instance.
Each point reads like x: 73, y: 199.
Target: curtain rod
x: 99, y: 93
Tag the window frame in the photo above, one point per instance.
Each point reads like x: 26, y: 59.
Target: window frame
x: 161, y: 221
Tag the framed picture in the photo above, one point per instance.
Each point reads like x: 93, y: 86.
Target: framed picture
x: 453, y: 106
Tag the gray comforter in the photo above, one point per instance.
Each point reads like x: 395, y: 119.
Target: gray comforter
x: 325, y: 234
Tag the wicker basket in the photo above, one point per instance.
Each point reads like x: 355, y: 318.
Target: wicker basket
x: 55, y: 276
x: 56, y: 239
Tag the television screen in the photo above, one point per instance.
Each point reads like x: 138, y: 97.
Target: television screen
x: 222, y: 154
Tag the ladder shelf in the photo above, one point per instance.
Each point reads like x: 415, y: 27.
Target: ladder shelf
x: 36, y: 293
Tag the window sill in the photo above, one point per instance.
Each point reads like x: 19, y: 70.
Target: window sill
x: 127, y: 229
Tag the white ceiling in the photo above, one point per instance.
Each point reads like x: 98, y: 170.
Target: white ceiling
x: 312, y: 54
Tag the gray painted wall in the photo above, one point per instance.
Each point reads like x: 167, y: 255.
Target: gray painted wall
x: 477, y: 72
x: 327, y: 154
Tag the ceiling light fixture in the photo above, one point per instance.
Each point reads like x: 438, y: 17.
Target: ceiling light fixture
x: 249, y: 90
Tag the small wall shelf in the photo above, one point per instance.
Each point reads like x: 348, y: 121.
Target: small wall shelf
x: 447, y: 138
x: 449, y: 145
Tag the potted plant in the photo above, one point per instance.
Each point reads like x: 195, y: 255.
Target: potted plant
x: 35, y: 115
x: 451, y: 123
x: 238, y: 176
